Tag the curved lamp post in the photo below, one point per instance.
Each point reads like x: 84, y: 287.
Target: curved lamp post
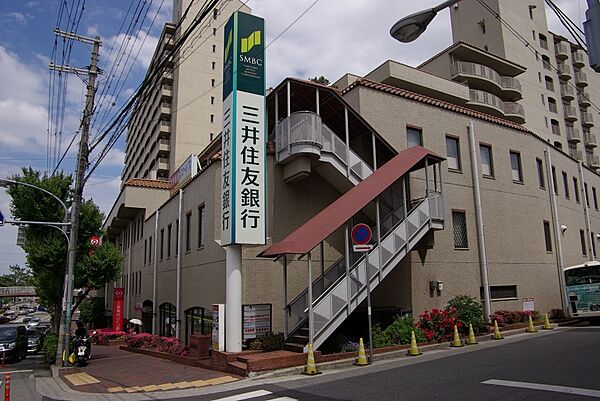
x: 411, y: 27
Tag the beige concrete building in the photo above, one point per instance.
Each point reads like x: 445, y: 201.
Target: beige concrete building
x: 181, y: 110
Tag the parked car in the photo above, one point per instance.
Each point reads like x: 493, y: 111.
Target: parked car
x: 13, y: 341
x: 34, y: 341
x: 33, y: 322
x: 27, y: 318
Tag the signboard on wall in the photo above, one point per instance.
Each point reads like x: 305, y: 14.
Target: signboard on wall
x: 528, y: 304
x: 187, y: 170
x: 257, y: 321
x: 243, y: 211
x: 118, y: 308
x: 218, y: 327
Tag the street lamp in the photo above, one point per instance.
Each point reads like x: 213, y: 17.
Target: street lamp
x: 5, y: 182
x: 411, y: 27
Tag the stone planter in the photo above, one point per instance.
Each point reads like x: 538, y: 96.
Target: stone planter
x: 184, y: 360
x: 200, y: 346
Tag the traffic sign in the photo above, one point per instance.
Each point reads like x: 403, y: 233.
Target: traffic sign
x: 361, y: 234
x: 1, y: 218
x: 95, y: 241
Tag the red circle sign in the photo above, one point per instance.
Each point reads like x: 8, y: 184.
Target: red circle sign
x: 361, y: 234
x: 95, y: 240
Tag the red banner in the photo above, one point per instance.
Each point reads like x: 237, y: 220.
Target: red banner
x: 118, y: 309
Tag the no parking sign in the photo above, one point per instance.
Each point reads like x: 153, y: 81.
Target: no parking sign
x: 361, y: 236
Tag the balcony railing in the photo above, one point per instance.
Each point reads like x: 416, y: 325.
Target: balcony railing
x: 562, y: 51
x: 577, y: 154
x: 586, y: 119
x: 581, y: 78
x: 594, y: 161
x: 570, y: 113
x: 584, y: 99
x: 482, y: 71
x: 513, y: 108
x: 487, y: 99
x: 564, y: 70
x: 573, y: 134
x: 567, y: 92
x: 590, y: 140
x: 578, y: 58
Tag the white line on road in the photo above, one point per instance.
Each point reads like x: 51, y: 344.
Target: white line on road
x: 15, y: 371
x: 245, y: 396
x: 545, y: 387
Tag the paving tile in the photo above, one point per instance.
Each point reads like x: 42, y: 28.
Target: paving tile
x: 80, y: 379
x: 151, y: 387
x: 166, y: 386
x: 221, y: 380
x: 134, y: 389
x: 200, y: 383
x: 183, y: 384
x: 115, y: 389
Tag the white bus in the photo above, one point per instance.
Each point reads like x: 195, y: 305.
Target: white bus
x: 582, y: 286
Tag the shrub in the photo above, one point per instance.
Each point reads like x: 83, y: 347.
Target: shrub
x: 102, y: 336
x: 50, y: 346
x: 270, y: 342
x: 506, y: 317
x: 438, y: 325
x: 169, y: 345
x: 399, y: 332
x: 336, y: 343
x: 469, y: 311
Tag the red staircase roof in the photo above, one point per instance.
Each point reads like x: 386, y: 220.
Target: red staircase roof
x: 322, y: 225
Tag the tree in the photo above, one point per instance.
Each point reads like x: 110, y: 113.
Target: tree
x: 18, y: 276
x: 319, y: 80
x: 92, y: 311
x: 46, y: 247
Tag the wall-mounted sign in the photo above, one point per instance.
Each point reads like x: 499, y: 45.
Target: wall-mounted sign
x: 218, y: 327
x: 243, y: 139
x: 118, y: 309
x: 188, y: 169
x: 528, y: 304
x: 257, y: 321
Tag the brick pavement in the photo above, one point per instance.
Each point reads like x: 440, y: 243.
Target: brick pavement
x: 112, y: 370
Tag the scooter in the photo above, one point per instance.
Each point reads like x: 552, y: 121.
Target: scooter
x: 82, y: 348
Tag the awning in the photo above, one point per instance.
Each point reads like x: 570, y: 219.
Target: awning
x: 321, y: 226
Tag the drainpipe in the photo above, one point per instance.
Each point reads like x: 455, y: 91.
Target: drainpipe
x: 483, y: 266
x: 179, y: 256
x: 128, y: 299
x: 154, y: 272
x: 586, y: 213
x: 557, y: 233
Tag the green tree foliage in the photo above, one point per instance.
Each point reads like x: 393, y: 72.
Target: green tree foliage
x: 18, y: 276
x: 320, y: 80
x: 469, y: 311
x: 92, y: 311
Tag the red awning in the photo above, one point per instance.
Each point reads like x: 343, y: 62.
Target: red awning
x: 311, y: 233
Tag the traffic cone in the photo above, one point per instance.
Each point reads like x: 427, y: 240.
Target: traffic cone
x: 497, y: 335
x: 413, y: 350
x: 456, y: 340
x: 362, y: 356
x: 530, y: 327
x: 547, y: 325
x: 311, y: 368
x: 472, y: 340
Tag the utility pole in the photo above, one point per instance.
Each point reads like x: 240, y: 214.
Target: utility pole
x: 82, y: 160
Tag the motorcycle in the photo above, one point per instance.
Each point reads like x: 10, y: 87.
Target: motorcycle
x: 82, y: 349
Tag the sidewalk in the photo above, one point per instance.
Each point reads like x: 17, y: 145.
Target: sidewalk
x: 112, y: 370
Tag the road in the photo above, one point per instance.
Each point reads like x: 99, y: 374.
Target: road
x: 22, y: 377
x: 567, y: 357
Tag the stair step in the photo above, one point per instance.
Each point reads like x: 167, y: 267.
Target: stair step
x: 237, y: 368
x: 299, y: 339
x: 294, y: 347
x: 303, y: 331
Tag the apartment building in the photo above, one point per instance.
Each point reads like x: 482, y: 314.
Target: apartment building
x: 180, y: 111
x: 560, y: 92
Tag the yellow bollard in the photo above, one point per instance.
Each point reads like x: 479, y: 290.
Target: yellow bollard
x: 530, y: 327
x: 311, y: 368
x: 362, y: 356
x: 497, y: 335
x: 413, y: 350
x: 471, y: 340
x: 547, y: 325
x: 456, y: 342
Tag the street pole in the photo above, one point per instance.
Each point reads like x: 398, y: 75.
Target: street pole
x: 82, y: 159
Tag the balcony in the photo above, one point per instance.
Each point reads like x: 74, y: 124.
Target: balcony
x: 567, y: 92
x: 581, y: 79
x: 164, y: 127
x: 594, y: 161
x: 570, y: 113
x: 486, y: 102
x: 577, y: 154
x: 562, y: 51
x: 590, y: 140
x: 578, y: 59
x: 564, y: 71
x: 573, y: 135
x: 166, y: 91
x: 488, y: 79
x: 514, y: 112
x: 165, y: 109
x: 164, y: 147
x: 586, y: 119
x: 584, y: 99
x: 162, y: 165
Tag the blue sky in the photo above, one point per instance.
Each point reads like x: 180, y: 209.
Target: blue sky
x: 356, y: 41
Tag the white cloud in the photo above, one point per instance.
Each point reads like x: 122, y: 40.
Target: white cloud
x: 103, y: 190
x: 19, y: 18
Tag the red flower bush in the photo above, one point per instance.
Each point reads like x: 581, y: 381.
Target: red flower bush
x: 103, y: 335
x: 506, y: 317
x: 438, y: 325
x: 169, y: 345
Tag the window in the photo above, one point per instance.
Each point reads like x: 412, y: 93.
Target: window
x: 176, y: 237
x: 543, y: 99
x: 453, y: 153
x: 595, y: 198
x: 546, y: 62
x: 459, y: 224
x: 212, y: 100
x: 500, y: 292
x: 414, y: 137
x: 169, y: 241
x: 515, y: 165
x: 212, y: 83
x: 487, y: 167
x: 554, y: 182
x: 555, y: 126
x: 547, y: 236
x: 552, y: 105
x: 214, y: 49
x: 145, y: 251
x: 214, y: 31
x: 162, y: 244
x: 543, y: 41
x: 188, y: 232
x: 531, y: 7
x: 585, y: 191
x: 576, y: 189
x: 150, y: 250
x: 582, y: 238
x: 549, y: 83
x: 566, y: 184
x: 540, y: 173
x: 212, y: 118
x: 201, y: 211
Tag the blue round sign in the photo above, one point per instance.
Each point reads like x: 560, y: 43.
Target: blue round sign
x: 361, y: 234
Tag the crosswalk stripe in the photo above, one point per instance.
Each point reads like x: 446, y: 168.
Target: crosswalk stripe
x: 245, y: 396
x: 284, y: 399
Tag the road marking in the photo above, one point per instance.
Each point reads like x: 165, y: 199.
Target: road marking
x: 284, y: 399
x: 245, y: 396
x: 15, y: 371
x: 81, y: 379
x: 545, y: 387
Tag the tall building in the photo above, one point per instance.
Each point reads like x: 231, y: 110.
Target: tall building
x: 180, y: 113
x: 560, y: 92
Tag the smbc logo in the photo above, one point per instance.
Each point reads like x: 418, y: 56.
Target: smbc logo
x: 248, y: 43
